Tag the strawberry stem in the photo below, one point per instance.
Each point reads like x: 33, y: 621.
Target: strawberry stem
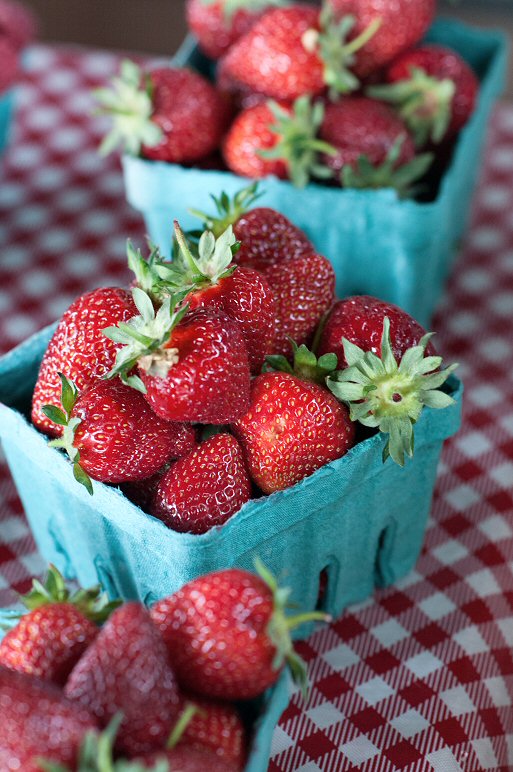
x: 181, y: 725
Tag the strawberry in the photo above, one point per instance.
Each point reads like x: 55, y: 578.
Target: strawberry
x: 38, y: 722
x: 216, y: 726
x: 295, y: 51
x: 434, y: 90
x: 17, y: 24
x: 59, y: 626
x: 374, y: 147
x: 79, y: 349
x: 213, y: 280
x: 391, y: 370
x: 111, y: 434
x: 400, y: 25
x: 189, y: 369
x: 168, y: 114
x: 291, y: 429
x: 142, y: 492
x: 217, y: 24
x: 205, y: 488
x: 125, y: 669
x: 8, y: 64
x: 236, y: 639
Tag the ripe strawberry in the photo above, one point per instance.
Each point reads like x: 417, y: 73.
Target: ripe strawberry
x: 79, y: 349
x: 434, y: 90
x: 236, y: 639
x: 38, y: 722
x: 142, y: 492
x: 169, y: 114
x: 48, y: 640
x: 213, y: 280
x: 217, y: 24
x: 279, y: 139
x: 17, y: 24
x: 205, y: 488
x: 388, y: 378
x: 125, y: 669
x: 189, y: 369
x: 401, y: 25
x: 217, y: 727
x: 111, y: 434
x: 8, y: 64
x: 294, y: 51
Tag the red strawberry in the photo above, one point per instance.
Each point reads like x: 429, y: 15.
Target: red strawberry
x: 125, y: 669
x: 48, y: 640
x: 142, y: 492
x: 216, y: 726
x: 388, y: 379
x: 170, y: 114
x: 402, y: 24
x: 112, y: 435
x: 190, y: 369
x: 205, y: 488
x: 8, y: 64
x: 79, y: 349
x: 236, y: 639
x: 218, y: 24
x: 17, y: 24
x: 38, y: 722
x: 434, y: 89
x: 241, y: 96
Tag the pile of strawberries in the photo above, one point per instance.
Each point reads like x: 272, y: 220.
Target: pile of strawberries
x: 345, y: 95
x: 196, y: 390
x: 88, y: 685
x: 17, y: 30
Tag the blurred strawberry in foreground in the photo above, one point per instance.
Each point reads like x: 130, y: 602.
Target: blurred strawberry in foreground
x: 216, y: 726
x: 168, y: 114
x: 17, y: 24
x: 433, y: 89
x: 48, y: 640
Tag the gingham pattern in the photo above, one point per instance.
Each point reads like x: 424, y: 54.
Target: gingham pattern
x: 421, y: 676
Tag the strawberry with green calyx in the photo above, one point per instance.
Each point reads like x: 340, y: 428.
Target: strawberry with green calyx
x: 278, y: 139
x: 48, y: 640
x: 112, y: 435
x: 229, y: 210
x: 382, y: 393
x: 189, y: 366
x: 237, y: 639
x: 305, y: 364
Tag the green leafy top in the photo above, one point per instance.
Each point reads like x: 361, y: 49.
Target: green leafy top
x: 62, y: 417
x: 129, y: 102
x: 229, y: 210
x: 390, y: 396
x: 297, y: 143
x: 367, y: 175
x: 144, y: 339
x: 305, y: 364
x: 424, y: 103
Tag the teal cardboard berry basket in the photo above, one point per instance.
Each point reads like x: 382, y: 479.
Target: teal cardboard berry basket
x: 398, y: 250
x: 6, y: 111
x: 357, y: 519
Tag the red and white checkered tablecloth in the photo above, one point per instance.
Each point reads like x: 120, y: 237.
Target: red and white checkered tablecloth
x: 421, y: 676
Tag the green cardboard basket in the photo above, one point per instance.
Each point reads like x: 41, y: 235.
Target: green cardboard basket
x: 400, y: 251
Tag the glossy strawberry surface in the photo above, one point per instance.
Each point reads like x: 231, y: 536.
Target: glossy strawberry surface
x: 246, y: 297
x: 359, y: 319
x: 79, y: 349
x: 126, y: 669
x: 358, y: 126
x: 120, y: 438
x: 185, y: 759
x: 48, y: 641
x: 249, y: 134
x: 38, y: 722
x: 191, y: 113
x: 268, y: 237
x: 217, y: 27
x: 209, y: 382
x: 215, y: 630
x: 441, y: 63
x: 403, y: 23
x: 291, y: 429
x: 272, y: 57
x: 217, y: 726
x: 204, y: 488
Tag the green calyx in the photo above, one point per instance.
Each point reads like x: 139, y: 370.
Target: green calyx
x: 143, y: 339
x: 297, y: 143
x: 280, y: 626
x: 62, y: 417
x: 336, y: 50
x: 366, y: 175
x: 423, y: 102
x: 230, y: 7
x: 92, y: 602
x: 305, y: 364
x: 129, y: 103
x: 145, y: 270
x: 229, y: 210
x: 389, y: 396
